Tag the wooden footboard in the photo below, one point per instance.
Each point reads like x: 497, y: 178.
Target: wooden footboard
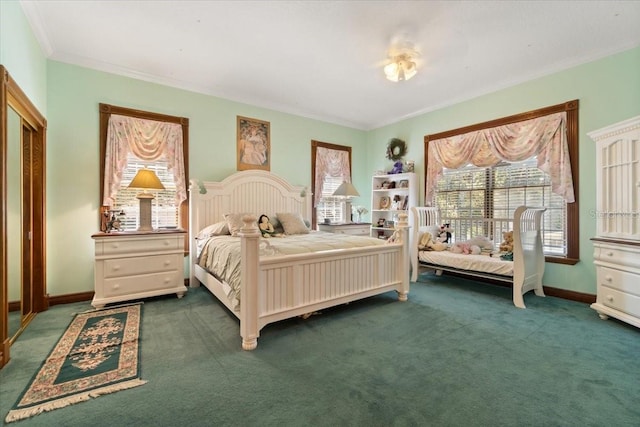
x: 277, y: 288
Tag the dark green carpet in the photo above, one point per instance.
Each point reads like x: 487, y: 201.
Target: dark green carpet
x: 456, y: 354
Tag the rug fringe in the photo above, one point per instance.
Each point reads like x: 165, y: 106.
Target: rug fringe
x: 21, y: 414
x: 108, y: 308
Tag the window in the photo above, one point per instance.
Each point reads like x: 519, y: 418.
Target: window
x: 329, y: 206
x: 481, y: 201
x: 165, y: 210
x: 330, y: 167
x: 493, y: 192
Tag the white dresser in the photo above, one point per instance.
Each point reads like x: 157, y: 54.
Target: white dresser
x: 617, y: 242
x: 133, y: 265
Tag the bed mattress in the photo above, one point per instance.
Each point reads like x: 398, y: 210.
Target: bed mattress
x: 481, y: 263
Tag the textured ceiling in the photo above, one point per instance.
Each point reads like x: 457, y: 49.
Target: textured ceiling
x: 324, y: 59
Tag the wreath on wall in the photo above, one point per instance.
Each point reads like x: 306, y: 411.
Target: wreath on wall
x: 396, y: 149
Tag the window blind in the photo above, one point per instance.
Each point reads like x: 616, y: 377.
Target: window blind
x: 482, y: 201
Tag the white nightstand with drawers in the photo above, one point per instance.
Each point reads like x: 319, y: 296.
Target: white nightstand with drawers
x: 356, y: 229
x: 133, y: 265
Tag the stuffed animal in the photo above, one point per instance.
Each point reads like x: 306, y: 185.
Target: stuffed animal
x: 444, y: 235
x: 428, y: 244
x: 473, y: 246
x: 397, y: 167
x: 507, y: 242
x: 266, y: 228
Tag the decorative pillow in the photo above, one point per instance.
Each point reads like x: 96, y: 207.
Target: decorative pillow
x: 234, y: 222
x: 277, y: 227
x: 217, y: 229
x: 292, y: 223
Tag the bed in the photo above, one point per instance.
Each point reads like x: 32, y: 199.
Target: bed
x: 279, y: 284
x: 524, y: 273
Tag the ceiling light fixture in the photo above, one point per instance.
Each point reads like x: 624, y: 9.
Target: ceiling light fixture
x: 402, y: 68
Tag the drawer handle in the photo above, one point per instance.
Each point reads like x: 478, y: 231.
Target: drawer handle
x: 609, y: 298
x: 116, y: 286
x: 167, y: 262
x: 115, y: 245
x: 116, y: 267
x: 609, y: 253
x: 167, y: 243
x: 167, y: 280
x: 608, y: 279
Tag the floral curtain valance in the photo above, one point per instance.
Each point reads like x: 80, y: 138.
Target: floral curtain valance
x: 544, y: 137
x: 332, y: 163
x: 147, y: 140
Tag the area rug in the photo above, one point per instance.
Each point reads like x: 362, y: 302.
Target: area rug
x: 99, y: 353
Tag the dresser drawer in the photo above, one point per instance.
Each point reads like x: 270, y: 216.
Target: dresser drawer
x: 129, y: 286
x: 623, y: 255
x: 354, y: 231
x: 118, y: 267
x: 619, y: 300
x: 617, y: 279
x: 125, y: 246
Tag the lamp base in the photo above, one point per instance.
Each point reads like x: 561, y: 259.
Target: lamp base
x: 145, y: 211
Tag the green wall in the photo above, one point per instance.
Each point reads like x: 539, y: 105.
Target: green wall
x: 608, y: 90
x: 73, y: 154
x: 21, y: 55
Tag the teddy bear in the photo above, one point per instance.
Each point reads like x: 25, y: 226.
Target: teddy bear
x: 507, y: 242
x: 428, y: 244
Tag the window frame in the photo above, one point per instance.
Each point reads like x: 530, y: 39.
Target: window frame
x: 106, y: 111
x: 573, y: 217
x: 314, y: 147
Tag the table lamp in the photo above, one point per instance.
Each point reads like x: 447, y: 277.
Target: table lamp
x: 146, y: 179
x: 347, y: 191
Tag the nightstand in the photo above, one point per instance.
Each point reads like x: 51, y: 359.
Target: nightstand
x: 133, y: 265
x: 357, y: 229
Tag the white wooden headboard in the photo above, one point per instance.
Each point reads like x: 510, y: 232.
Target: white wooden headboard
x: 252, y: 191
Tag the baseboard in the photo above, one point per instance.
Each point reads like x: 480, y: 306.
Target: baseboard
x: 80, y: 297
x: 548, y: 290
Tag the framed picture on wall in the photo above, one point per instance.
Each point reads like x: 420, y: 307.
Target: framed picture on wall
x: 253, y: 144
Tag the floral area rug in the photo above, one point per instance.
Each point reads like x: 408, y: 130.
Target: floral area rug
x: 99, y: 353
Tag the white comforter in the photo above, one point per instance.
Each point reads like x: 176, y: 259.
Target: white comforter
x: 483, y: 263
x: 220, y: 255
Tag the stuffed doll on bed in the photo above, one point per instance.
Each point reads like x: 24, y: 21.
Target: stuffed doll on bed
x: 266, y: 227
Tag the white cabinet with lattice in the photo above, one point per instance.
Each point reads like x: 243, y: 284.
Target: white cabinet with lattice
x: 390, y: 196
x: 617, y: 241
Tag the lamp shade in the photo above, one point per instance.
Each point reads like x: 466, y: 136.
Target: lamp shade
x: 346, y: 189
x: 147, y: 179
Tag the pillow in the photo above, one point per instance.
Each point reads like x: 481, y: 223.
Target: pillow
x: 234, y: 222
x: 217, y: 229
x: 277, y: 227
x: 292, y: 223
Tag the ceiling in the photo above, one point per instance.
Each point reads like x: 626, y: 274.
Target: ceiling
x: 324, y: 59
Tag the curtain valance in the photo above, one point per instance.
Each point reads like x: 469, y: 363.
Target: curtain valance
x: 332, y: 163
x: 148, y: 140
x: 544, y: 137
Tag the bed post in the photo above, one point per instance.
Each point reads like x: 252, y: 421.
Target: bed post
x: 403, y: 229
x: 194, y: 228
x: 249, y: 330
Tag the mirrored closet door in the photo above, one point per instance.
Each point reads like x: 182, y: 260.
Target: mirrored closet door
x: 22, y: 281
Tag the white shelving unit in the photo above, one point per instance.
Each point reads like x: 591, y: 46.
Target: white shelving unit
x: 390, y: 196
